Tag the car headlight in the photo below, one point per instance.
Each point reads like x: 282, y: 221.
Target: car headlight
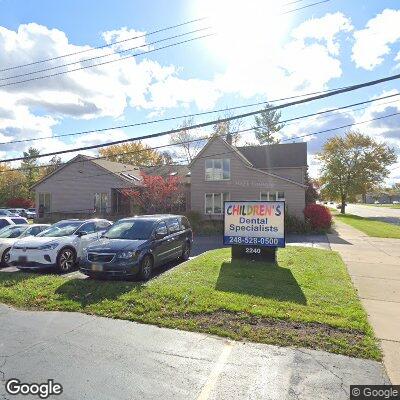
x: 50, y: 246
x: 126, y: 255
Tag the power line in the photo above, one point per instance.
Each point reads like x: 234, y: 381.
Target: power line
x: 306, y: 6
x: 194, y: 115
x: 104, y: 55
x: 106, y: 62
x: 226, y: 119
x: 103, y: 46
x: 197, y: 140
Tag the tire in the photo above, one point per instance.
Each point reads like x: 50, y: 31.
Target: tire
x: 5, y: 258
x: 66, y: 260
x: 185, y: 252
x: 146, y: 268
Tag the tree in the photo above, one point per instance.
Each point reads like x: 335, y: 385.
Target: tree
x: 54, y: 163
x: 186, y: 141
x: 135, y: 153
x: 353, y: 163
x: 30, y: 168
x: 311, y: 191
x: 228, y: 129
x: 267, y: 124
x: 12, y: 184
x: 158, y: 194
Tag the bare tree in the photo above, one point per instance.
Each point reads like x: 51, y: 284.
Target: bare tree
x: 228, y: 129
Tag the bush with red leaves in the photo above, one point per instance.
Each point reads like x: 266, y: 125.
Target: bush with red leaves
x: 19, y: 202
x: 318, y: 216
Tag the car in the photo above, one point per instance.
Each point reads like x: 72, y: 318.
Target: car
x: 4, y: 212
x: 396, y: 202
x: 11, y: 220
x: 339, y: 205
x: 376, y: 202
x: 31, y: 213
x: 59, y: 247
x: 11, y: 233
x: 134, y: 246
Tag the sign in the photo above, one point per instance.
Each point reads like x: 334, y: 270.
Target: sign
x: 254, y: 224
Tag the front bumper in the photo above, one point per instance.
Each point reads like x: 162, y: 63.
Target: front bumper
x: 32, y: 258
x: 117, y: 268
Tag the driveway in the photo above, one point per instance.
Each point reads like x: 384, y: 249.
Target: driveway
x: 385, y: 214
x: 100, y: 358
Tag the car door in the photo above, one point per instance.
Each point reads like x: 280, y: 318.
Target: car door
x: 83, y: 241
x: 174, y: 238
x: 162, y: 246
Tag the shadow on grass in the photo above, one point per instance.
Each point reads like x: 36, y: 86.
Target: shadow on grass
x: 267, y: 280
x: 89, y: 291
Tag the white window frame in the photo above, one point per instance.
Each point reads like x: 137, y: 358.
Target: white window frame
x: 213, y: 160
x: 45, y: 194
x: 101, y: 196
x: 213, y: 202
x: 275, y: 192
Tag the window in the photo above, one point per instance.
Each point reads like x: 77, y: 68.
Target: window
x: 18, y: 221
x: 173, y: 225
x: 3, y: 223
x: 90, y: 227
x: 272, y: 196
x: 101, y: 202
x: 214, y: 202
x: 102, y: 225
x: 45, y: 201
x: 218, y: 170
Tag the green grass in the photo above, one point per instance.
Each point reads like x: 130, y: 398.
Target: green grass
x: 306, y: 300
x: 384, y: 205
x: 371, y: 227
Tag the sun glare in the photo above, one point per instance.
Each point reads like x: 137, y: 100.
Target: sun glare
x: 253, y: 25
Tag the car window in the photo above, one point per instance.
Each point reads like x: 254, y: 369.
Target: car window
x: 3, y: 223
x: 185, y: 223
x: 101, y: 225
x: 12, y: 231
x: 130, y: 229
x: 173, y: 225
x: 89, y: 227
x: 162, y: 228
x: 65, y: 228
x: 33, y: 231
x: 18, y: 221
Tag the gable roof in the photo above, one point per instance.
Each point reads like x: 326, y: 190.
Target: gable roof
x: 126, y: 172
x: 285, y: 155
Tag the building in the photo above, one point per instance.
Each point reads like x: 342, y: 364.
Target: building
x: 219, y: 172
x: 222, y: 172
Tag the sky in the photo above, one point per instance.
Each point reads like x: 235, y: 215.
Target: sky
x: 260, y: 50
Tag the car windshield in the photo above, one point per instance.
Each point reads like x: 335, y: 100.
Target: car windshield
x: 131, y: 230
x: 5, y: 212
x: 12, y: 231
x: 61, y: 229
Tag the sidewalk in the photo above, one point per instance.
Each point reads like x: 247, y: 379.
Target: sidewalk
x: 374, y: 267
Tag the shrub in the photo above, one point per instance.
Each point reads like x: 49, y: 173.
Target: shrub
x: 294, y: 224
x: 19, y: 202
x: 318, y: 216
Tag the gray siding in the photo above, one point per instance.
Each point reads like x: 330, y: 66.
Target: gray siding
x: 245, y: 183
x: 73, y: 187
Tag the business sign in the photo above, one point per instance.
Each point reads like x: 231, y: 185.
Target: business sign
x: 254, y: 223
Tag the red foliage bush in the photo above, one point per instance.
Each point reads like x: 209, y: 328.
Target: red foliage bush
x: 318, y: 216
x: 19, y: 202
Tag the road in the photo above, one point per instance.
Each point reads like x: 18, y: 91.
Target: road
x: 381, y: 213
x: 105, y: 359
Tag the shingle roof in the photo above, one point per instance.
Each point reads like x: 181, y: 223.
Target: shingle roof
x: 182, y: 171
x: 276, y: 155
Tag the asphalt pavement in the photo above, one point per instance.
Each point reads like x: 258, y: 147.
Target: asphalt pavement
x: 105, y: 359
x: 380, y: 213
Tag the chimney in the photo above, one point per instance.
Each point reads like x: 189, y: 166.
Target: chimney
x: 229, y: 137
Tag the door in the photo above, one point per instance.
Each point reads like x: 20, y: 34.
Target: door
x: 90, y: 236
x: 175, y: 238
x: 162, y: 244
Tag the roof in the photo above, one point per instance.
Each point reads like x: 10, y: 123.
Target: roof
x: 276, y: 155
x: 165, y: 171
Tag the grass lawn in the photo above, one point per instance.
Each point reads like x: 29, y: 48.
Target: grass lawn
x: 371, y: 227
x: 306, y: 299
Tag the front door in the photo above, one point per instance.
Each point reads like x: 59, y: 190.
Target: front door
x: 162, y: 244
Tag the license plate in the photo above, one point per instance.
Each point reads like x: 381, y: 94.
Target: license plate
x: 22, y: 259
x: 97, y: 267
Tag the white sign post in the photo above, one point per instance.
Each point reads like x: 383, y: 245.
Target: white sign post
x: 254, y: 229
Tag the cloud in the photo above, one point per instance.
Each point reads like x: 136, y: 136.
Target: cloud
x: 131, y: 38
x: 373, y: 42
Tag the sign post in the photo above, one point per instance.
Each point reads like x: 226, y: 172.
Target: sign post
x: 254, y: 229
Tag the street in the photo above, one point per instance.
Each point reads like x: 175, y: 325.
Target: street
x: 100, y: 358
x: 381, y: 213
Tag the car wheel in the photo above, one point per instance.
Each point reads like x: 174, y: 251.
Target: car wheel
x: 186, y: 252
x: 66, y: 260
x: 5, y: 258
x: 146, y: 268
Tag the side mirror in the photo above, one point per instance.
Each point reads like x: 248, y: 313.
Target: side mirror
x: 81, y: 233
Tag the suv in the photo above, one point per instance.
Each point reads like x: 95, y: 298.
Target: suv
x: 134, y: 246
x: 58, y: 247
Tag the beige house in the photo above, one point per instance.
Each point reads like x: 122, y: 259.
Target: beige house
x: 222, y: 172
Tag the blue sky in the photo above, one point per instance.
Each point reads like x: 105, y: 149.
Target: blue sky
x: 258, y: 55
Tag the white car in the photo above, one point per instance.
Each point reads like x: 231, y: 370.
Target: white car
x: 11, y: 220
x: 11, y: 233
x: 58, y: 247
